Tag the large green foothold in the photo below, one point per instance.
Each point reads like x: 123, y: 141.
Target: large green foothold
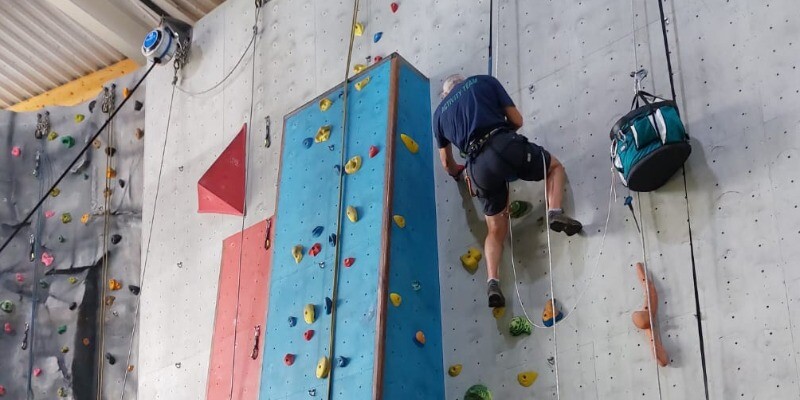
x: 68, y: 141
x: 478, y: 392
x: 519, y: 325
x: 518, y: 208
x: 7, y: 306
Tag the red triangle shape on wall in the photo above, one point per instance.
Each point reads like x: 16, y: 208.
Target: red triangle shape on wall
x: 221, y: 189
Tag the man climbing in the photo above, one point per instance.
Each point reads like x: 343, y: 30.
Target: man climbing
x: 478, y: 116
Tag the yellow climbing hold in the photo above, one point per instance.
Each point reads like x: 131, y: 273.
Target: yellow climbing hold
x: 297, y: 253
x: 527, y: 378
x: 358, y: 68
x: 400, y: 221
x: 55, y: 192
x: 358, y: 29
x: 85, y: 218
x: 309, y: 315
x: 79, y: 118
x: 395, y: 299
x: 325, y: 104
x: 498, y: 312
x: 72, y: 280
x: 454, y: 370
x: 323, y: 134
x: 126, y: 92
x: 52, y: 136
x: 411, y: 145
x: 323, y: 367
x: 360, y: 84
x: 353, y: 165
x: 471, y: 259
x: 352, y: 214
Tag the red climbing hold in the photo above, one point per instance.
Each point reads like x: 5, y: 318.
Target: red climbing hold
x: 394, y: 7
x: 16, y: 151
x: 315, y: 249
x: 373, y: 151
x: 2, y: 390
x: 37, y: 371
x: 307, y: 335
x: 20, y: 277
x: 348, y: 262
x: 288, y: 359
x: 7, y: 328
x: 376, y: 59
x: 221, y: 189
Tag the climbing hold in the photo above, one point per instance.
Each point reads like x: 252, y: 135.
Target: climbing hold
x: 91, y: 105
x: 349, y: 261
x: 527, y: 378
x: 394, y: 7
x: 110, y: 151
x: 342, y: 361
x: 37, y: 371
x: 377, y: 36
x: 138, y: 133
x: 478, y: 392
x: 111, y: 173
x: 62, y: 392
x: 16, y: 151
x: 400, y: 221
x: 323, y: 134
x: 353, y: 165
x: 309, y: 314
x: 307, y: 142
x: 518, y: 208
x: 317, y: 231
x: 114, y: 284
x: 337, y: 170
x: 470, y: 259
x: 85, y: 218
x: 7, y: 306
x: 85, y: 341
x: 395, y: 299
x: 315, y: 249
x: 411, y: 145
x: 358, y: 68
x: 97, y: 143
x: 49, y: 213
x: 373, y: 151
x: 47, y: 259
x: 111, y: 359
x: 61, y: 329
x: 20, y: 277
x: 126, y: 92
x: 65, y: 349
x: 137, y: 105
x: 307, y: 335
x: 72, y: 280
x: 332, y: 240
x: 61, y: 239
x: 328, y: 305
x: 55, y: 192
x: 362, y: 83
x: 454, y: 370
x: 358, y: 29
x: 416, y: 286
x: 325, y: 104
x: 292, y: 321
x: 312, y: 392
x: 519, y: 325
x: 498, y: 312
x: 115, y: 238
x: 2, y: 390
x: 419, y: 337
x: 44, y: 284
x: 73, y: 306
x: 297, y: 253
x: 7, y: 327
x: 79, y: 118
x: 323, y: 367
x: 376, y: 59
x: 130, y: 368
x: 121, y: 183
x: 135, y: 289
x: 352, y: 214
x: 110, y: 300
x: 547, y: 315
x: 66, y: 218
x: 288, y: 359
x: 52, y: 136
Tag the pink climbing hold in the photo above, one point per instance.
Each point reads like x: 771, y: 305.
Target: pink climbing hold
x: 394, y: 7
x: 2, y: 390
x: 7, y: 327
x: 37, y: 371
x: 47, y: 259
x: 20, y: 277
x: 348, y: 262
x: 16, y: 151
x: 373, y: 151
x: 49, y: 213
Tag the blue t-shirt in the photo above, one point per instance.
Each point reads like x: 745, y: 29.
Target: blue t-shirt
x: 473, y: 106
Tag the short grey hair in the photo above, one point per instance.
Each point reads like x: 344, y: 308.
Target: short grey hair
x: 450, y: 82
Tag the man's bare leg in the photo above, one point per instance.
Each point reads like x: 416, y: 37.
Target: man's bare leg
x: 556, y: 179
x: 495, y: 240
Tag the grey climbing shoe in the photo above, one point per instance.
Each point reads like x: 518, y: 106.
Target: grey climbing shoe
x: 562, y: 223
x: 496, y: 298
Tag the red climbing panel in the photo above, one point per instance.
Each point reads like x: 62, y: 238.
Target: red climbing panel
x: 221, y: 189
x: 253, y: 287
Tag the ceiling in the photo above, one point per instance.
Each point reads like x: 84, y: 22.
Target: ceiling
x: 47, y: 43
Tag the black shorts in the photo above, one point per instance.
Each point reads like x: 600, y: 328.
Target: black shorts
x: 506, y: 157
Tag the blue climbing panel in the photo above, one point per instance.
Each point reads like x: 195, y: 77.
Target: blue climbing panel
x: 309, y: 197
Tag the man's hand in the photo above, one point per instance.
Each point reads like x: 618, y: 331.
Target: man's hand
x: 456, y: 172
x: 449, y: 163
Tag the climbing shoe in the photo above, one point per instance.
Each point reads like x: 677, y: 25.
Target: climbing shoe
x: 496, y: 298
x: 562, y: 223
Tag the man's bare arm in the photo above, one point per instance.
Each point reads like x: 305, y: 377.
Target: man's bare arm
x: 514, y: 117
x: 449, y: 163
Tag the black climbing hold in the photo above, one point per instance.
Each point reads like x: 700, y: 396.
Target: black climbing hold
x: 115, y: 238
x: 61, y: 239
x: 328, y: 305
x: 110, y: 151
x: 111, y: 359
x: 138, y: 105
x: 134, y: 289
x: 332, y: 240
x: 44, y: 284
x: 91, y: 105
x: 312, y: 392
x: 121, y: 183
x: 73, y: 306
x: 317, y: 231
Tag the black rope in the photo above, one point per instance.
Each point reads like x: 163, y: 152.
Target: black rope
x: 491, y: 24
x: 75, y: 161
x: 688, y: 214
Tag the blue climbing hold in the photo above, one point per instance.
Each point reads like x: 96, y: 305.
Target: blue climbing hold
x: 337, y: 169
x: 332, y: 240
x: 377, y: 37
x: 330, y: 147
x: 328, y: 305
x: 307, y: 142
x: 317, y: 231
x: 628, y: 201
x: 342, y: 361
x: 292, y: 321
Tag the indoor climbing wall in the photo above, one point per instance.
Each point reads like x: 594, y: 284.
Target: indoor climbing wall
x: 62, y: 315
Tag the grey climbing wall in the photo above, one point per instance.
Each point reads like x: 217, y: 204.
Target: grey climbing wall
x: 566, y: 65
x: 58, y: 302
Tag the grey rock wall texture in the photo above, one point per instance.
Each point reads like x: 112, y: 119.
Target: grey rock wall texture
x: 51, y: 345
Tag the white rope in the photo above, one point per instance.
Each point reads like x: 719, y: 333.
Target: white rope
x: 552, y: 288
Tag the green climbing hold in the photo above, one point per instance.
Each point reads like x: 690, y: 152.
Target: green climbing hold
x: 518, y: 208
x: 478, y: 392
x: 72, y: 280
x: 68, y: 141
x: 62, y: 329
x: 7, y: 306
x: 52, y: 136
x: 519, y: 325
x: 66, y: 218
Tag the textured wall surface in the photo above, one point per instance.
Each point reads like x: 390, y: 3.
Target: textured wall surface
x: 566, y: 65
x: 43, y: 295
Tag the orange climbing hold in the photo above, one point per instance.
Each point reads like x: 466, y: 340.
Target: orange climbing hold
x: 126, y: 92
x: 85, y: 218
x: 111, y: 173
x: 114, y: 284
x: 643, y: 319
x: 419, y: 337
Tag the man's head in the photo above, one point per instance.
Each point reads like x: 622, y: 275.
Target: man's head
x: 451, y: 82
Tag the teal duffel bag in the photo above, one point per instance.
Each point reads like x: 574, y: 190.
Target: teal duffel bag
x: 649, y: 144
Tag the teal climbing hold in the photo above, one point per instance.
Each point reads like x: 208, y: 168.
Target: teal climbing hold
x: 68, y: 141
x: 7, y: 306
x: 61, y: 329
x: 519, y: 325
x: 478, y: 392
x: 317, y: 231
x: 292, y: 321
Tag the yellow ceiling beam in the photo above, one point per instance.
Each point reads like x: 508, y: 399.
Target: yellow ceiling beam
x: 77, y: 91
